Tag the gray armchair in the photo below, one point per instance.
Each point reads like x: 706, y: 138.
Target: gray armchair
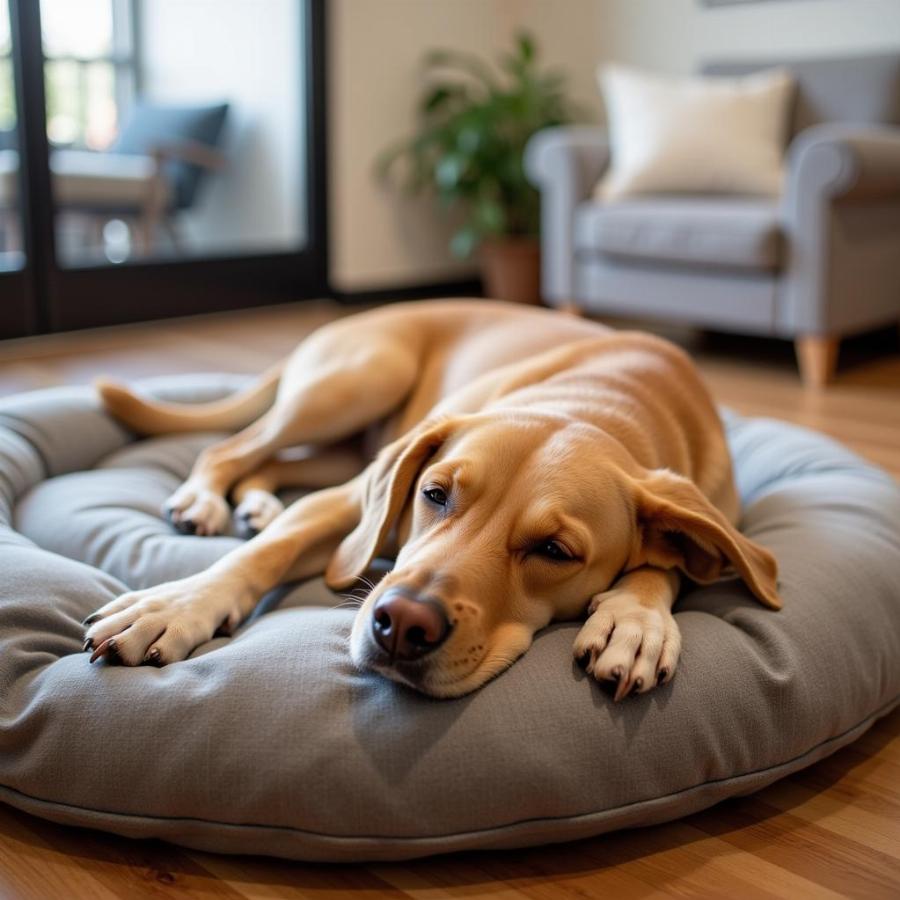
x: 820, y: 263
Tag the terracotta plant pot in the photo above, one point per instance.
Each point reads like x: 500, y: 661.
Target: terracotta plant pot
x: 511, y: 269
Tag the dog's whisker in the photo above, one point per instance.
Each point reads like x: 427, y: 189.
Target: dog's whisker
x: 349, y: 602
x: 367, y: 582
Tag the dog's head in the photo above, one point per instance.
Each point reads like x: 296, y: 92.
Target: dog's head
x: 504, y: 523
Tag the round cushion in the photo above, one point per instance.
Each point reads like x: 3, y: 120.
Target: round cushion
x: 272, y: 742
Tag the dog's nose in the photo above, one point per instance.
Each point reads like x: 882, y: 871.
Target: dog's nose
x: 408, y: 628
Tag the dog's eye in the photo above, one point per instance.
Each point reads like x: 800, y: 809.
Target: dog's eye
x: 553, y: 550
x: 436, y: 495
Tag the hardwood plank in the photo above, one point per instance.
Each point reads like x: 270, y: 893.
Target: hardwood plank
x: 259, y: 878
x: 879, y: 830
x: 803, y: 848
x: 686, y: 861
x: 43, y: 860
x: 30, y: 870
x: 543, y: 873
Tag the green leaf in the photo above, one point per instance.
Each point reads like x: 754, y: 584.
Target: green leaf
x: 473, y: 125
x: 469, y: 139
x: 464, y: 242
x: 463, y: 62
x: 526, y: 46
x: 435, y: 99
x: 489, y: 215
x: 448, y: 171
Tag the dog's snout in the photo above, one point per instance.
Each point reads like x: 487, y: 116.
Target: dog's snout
x: 407, y: 627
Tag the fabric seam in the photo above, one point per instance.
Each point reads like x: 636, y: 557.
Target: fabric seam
x: 883, y: 710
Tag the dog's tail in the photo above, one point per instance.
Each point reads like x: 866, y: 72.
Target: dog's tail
x: 147, y: 416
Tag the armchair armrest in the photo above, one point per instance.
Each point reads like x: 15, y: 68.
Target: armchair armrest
x: 845, y: 162
x: 195, y: 153
x: 563, y: 163
x: 838, y: 174
x: 159, y: 193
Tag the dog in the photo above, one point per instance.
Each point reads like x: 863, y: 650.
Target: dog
x: 529, y: 466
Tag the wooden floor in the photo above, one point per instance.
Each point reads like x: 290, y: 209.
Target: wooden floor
x: 831, y: 830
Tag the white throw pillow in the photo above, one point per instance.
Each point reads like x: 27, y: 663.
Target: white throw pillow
x: 694, y: 135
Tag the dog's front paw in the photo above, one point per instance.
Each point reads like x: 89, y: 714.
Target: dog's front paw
x: 162, y: 624
x: 626, y: 642
x: 194, y: 510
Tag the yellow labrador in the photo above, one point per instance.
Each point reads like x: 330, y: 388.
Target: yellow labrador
x: 530, y: 466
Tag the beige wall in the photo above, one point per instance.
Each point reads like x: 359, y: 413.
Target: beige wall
x: 676, y: 35
x: 380, y: 238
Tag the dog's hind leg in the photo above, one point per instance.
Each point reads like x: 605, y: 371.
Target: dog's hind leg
x: 199, y: 505
x: 254, y: 495
x: 330, y: 390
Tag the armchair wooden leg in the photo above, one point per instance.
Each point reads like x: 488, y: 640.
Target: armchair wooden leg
x: 817, y: 357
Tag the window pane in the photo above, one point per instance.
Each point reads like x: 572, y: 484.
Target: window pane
x: 11, y: 255
x: 65, y: 125
x: 100, y: 106
x: 82, y: 28
x: 5, y: 43
x: 7, y: 97
x: 199, y: 131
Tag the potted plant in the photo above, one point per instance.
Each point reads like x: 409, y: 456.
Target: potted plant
x: 474, y: 123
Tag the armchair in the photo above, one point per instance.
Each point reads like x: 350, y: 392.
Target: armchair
x: 152, y: 171
x: 821, y: 263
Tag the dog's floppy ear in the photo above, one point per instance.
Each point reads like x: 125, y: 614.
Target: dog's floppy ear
x: 679, y: 528
x: 385, y: 487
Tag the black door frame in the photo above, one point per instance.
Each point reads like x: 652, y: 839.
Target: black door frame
x: 68, y: 298
x: 18, y: 310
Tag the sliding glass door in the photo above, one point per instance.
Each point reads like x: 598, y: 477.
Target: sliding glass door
x: 177, y: 155
x: 16, y: 289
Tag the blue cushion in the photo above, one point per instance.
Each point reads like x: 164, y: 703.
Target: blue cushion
x: 149, y: 126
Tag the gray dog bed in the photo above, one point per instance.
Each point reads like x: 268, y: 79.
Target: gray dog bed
x: 271, y: 742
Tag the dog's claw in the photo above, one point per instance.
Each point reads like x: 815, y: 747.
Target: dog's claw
x: 101, y: 650
x: 623, y: 686
x: 244, y: 529
x: 176, y: 519
x: 93, y: 617
x: 88, y: 645
x: 154, y: 657
x: 663, y: 674
x: 196, y: 511
x: 255, y: 512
